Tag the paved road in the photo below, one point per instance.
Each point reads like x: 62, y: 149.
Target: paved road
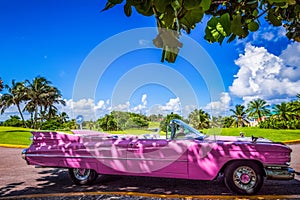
x: 17, y: 178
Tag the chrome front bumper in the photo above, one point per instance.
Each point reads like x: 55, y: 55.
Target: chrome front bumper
x: 279, y: 172
x: 24, y: 154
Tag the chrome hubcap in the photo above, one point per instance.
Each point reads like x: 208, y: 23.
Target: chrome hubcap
x: 244, y: 178
x: 81, y: 174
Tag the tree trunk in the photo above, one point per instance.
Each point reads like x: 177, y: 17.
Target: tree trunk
x: 22, y: 117
x: 35, y: 117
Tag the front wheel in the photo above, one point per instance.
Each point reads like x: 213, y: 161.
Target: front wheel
x: 244, y: 177
x: 82, y: 176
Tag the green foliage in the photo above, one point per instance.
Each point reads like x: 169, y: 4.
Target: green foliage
x: 167, y: 119
x: 39, y: 97
x: 199, y: 119
x: 136, y: 122
x: 228, y: 19
x: 59, y: 122
x: 13, y: 121
x: 155, y: 118
x: 228, y: 122
x: 118, y: 120
x: 286, y: 116
x: 1, y: 85
x: 16, y: 94
x: 107, y: 123
x: 216, y: 122
x: 70, y: 125
x: 276, y: 123
x: 284, y: 111
x: 240, y: 115
x: 258, y: 108
x: 52, y: 124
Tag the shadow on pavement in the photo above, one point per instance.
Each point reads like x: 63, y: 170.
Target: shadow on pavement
x: 51, y: 181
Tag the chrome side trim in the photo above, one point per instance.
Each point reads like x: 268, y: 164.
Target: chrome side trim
x: 278, y: 172
x: 104, y: 157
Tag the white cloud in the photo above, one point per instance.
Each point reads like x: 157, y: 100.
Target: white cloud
x: 144, y: 99
x: 291, y: 58
x: 216, y: 108
x: 291, y: 54
x: 265, y: 75
x: 268, y: 33
x: 138, y: 109
x: 173, y: 105
x: 100, y: 105
x: 143, y: 42
x: 269, y: 36
x: 187, y: 109
x: 122, y: 107
x: 90, y: 110
x: 141, y: 108
x: 85, y: 107
x: 12, y: 110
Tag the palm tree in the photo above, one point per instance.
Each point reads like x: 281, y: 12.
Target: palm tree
x: 63, y: 117
x: 284, y: 111
x: 199, y: 119
x: 15, y: 96
x: 296, y: 109
x: 240, y: 115
x: 54, y: 97
x: 1, y: 85
x: 258, y: 108
x: 42, y: 98
x: 36, y: 91
x: 228, y: 121
x: 296, y: 106
x: 216, y: 122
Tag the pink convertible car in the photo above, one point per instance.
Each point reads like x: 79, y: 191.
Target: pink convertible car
x: 182, y: 153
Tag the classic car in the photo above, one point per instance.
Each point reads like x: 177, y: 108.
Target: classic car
x: 184, y: 152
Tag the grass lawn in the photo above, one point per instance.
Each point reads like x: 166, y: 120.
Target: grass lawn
x: 21, y: 136
x: 132, y: 132
x: 14, y: 135
x: 276, y: 135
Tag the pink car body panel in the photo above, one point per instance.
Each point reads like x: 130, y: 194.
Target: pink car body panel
x: 130, y: 155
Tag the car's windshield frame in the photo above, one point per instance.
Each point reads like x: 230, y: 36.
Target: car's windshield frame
x: 199, y: 135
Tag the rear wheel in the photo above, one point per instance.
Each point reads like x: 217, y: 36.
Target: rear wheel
x: 244, y: 177
x: 82, y: 176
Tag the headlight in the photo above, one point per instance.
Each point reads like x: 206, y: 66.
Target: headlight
x: 24, y: 153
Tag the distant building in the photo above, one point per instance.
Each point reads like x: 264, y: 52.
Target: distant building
x: 254, y: 122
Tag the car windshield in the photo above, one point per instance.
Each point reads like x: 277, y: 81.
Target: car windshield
x: 184, y: 131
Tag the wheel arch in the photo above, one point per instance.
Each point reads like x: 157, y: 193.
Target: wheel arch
x: 259, y: 163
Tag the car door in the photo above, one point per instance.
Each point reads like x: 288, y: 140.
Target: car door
x: 157, y: 157
x: 110, y: 153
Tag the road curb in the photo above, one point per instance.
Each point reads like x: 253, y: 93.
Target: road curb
x: 292, y: 142
x: 19, y: 146
x: 147, y: 195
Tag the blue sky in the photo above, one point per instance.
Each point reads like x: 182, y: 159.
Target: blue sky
x: 58, y: 39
